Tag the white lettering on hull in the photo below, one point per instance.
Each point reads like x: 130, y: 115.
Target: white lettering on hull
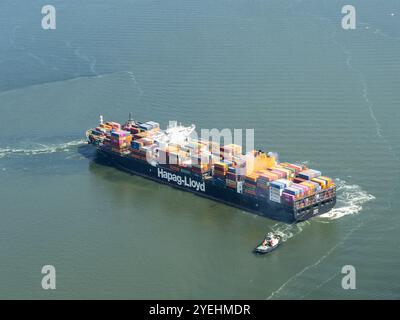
x: 181, y: 181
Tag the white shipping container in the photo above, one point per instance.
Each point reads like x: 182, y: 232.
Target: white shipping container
x: 274, y: 191
x: 239, y: 186
x: 275, y: 198
x: 286, y: 182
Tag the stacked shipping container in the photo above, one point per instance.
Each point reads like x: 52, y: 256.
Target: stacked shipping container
x: 258, y: 173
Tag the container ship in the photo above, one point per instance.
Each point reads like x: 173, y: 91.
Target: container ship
x: 254, y: 181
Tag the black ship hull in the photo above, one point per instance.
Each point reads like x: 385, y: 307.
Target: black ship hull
x: 206, y: 188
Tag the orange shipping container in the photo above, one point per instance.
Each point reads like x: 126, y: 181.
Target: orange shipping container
x: 328, y: 180
x: 252, y: 177
x: 311, y: 186
x: 321, y: 182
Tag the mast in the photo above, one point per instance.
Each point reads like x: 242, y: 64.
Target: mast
x: 130, y: 119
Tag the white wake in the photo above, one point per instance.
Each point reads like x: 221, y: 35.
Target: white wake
x: 42, y: 149
x: 287, y: 231
x: 350, y: 200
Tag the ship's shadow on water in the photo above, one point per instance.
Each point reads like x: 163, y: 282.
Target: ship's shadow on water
x: 90, y: 153
x: 87, y: 151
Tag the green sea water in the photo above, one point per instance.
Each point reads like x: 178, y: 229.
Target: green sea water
x: 312, y: 91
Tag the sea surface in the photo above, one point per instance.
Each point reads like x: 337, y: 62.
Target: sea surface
x: 312, y: 91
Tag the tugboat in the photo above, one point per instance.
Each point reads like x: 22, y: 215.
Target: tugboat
x: 270, y: 243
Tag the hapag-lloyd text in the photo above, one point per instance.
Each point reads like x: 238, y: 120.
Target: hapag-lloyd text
x: 179, y: 180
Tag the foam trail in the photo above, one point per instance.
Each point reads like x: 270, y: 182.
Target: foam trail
x: 44, y: 149
x: 90, y: 60
x: 350, y: 199
x: 25, y: 48
x: 358, y: 73
x: 298, y: 274
x: 321, y: 284
x: 315, y: 264
x: 287, y: 231
x: 133, y: 78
